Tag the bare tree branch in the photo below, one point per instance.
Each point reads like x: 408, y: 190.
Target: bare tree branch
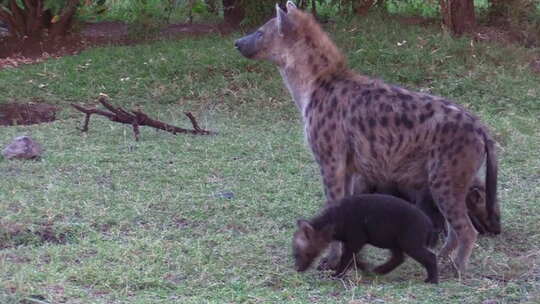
x: 136, y: 119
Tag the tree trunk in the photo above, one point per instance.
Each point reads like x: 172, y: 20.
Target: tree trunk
x: 61, y: 27
x: 31, y: 18
x: 212, y: 6
x: 233, y: 12
x: 34, y: 20
x: 458, y: 16
x: 14, y: 17
x: 302, y: 4
x: 498, y: 10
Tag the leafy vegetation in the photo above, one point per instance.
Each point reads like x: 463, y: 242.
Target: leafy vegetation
x: 136, y: 11
x: 187, y: 219
x: 30, y: 19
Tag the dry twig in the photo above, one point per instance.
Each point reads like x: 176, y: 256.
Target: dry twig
x: 136, y: 119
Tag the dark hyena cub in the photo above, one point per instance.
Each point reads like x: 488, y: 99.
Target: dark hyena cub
x: 380, y: 220
x: 365, y: 133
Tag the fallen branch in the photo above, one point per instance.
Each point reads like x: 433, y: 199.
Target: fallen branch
x: 136, y: 119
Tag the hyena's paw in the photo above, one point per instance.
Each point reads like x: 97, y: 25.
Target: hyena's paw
x: 449, y: 246
x: 444, y: 253
x: 449, y: 266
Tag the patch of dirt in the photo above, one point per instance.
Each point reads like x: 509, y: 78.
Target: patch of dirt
x: 191, y: 29
x: 109, y: 30
x: 14, y: 52
x: 15, y: 234
x: 496, y: 33
x: 26, y: 113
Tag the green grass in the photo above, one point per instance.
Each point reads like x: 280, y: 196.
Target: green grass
x: 150, y: 13
x: 104, y: 219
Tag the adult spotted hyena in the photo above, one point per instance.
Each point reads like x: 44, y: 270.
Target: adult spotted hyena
x: 370, y: 134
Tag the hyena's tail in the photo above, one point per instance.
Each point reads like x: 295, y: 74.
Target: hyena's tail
x: 433, y: 239
x: 492, y: 204
x: 433, y: 235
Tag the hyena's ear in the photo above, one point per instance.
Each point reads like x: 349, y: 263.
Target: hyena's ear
x: 291, y: 6
x: 306, y: 228
x: 284, y: 22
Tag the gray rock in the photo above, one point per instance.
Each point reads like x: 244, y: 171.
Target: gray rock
x: 225, y: 194
x: 4, y: 31
x: 23, y: 147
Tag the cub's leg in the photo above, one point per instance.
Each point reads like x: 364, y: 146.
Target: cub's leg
x: 395, y: 260
x: 428, y: 259
x: 349, y: 249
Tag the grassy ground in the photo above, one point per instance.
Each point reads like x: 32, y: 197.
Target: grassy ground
x: 104, y: 219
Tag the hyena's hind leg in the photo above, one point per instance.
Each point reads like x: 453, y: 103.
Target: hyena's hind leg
x: 450, y: 192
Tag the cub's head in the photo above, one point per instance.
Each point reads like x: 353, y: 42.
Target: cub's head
x: 309, y: 243
x: 272, y: 39
x: 478, y: 212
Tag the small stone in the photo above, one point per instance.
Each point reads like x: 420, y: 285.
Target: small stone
x: 23, y: 147
x: 226, y: 194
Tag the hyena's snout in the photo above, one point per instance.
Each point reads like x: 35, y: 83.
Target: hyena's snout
x: 248, y: 45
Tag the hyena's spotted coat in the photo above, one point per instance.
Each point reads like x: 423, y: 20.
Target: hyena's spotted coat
x: 370, y: 134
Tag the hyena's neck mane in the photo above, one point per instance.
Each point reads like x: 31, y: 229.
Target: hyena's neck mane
x: 311, y: 56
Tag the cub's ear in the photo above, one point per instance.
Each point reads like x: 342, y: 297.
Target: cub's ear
x: 291, y: 6
x: 284, y: 22
x: 306, y: 228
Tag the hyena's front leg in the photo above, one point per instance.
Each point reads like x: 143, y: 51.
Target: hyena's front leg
x: 450, y: 243
x: 358, y: 185
x: 337, y: 181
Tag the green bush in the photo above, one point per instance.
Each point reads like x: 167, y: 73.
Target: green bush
x: 257, y: 11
